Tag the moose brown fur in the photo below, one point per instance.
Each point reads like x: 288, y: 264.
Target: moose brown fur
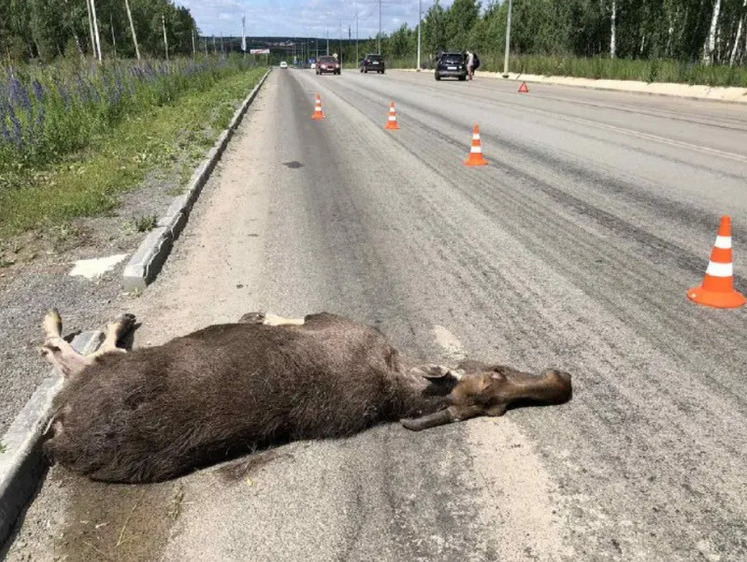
x: 156, y: 413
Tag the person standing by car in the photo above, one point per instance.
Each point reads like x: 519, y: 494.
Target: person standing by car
x: 470, y: 57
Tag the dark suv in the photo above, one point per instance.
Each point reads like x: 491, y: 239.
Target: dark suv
x: 451, y: 65
x: 373, y: 63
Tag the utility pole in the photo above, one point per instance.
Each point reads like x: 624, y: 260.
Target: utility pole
x: 96, y: 28
x: 357, y: 57
x: 508, y: 40
x: 165, y: 41
x: 327, y: 41
x: 194, y: 49
x: 379, y: 26
x: 243, y: 34
x: 132, y: 29
x: 420, y: 24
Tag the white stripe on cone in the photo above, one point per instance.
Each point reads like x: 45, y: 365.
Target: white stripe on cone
x: 716, y: 269
x: 723, y: 242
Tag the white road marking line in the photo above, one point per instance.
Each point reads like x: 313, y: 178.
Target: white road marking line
x: 656, y: 138
x: 95, y: 268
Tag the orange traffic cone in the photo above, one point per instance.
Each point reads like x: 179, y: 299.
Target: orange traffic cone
x: 717, y: 289
x: 392, y: 122
x: 523, y: 89
x: 475, y: 154
x: 318, y: 113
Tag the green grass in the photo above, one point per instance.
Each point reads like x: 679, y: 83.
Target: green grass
x: 654, y: 70
x: 88, y: 182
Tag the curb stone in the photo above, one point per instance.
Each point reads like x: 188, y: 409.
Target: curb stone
x: 22, y: 462
x: 150, y: 256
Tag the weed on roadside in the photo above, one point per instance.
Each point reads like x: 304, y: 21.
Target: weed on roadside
x: 145, y: 223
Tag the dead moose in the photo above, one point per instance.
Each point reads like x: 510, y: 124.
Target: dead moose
x: 155, y: 413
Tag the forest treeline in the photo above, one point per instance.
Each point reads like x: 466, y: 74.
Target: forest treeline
x: 48, y: 29
x: 710, y: 31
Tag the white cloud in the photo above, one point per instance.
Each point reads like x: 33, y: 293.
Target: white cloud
x: 303, y: 18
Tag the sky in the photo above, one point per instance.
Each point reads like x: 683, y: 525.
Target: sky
x: 303, y: 18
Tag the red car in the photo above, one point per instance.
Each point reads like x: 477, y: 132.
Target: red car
x: 328, y: 64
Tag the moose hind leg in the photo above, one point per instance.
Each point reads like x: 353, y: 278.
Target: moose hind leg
x: 269, y: 319
x: 115, y: 331
x: 59, y: 352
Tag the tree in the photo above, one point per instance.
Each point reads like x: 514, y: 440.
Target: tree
x: 460, y: 19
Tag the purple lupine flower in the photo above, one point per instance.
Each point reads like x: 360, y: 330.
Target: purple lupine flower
x: 17, y: 129
x: 39, y: 91
x: 64, y: 95
x: 82, y: 89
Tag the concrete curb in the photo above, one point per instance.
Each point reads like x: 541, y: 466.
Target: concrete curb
x: 150, y: 256
x: 22, y: 462
x: 712, y: 93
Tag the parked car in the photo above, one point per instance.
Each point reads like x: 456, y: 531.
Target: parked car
x: 451, y: 65
x: 327, y: 65
x: 283, y: 64
x: 374, y: 63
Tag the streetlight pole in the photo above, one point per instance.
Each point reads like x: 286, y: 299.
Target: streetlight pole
x: 357, y: 58
x: 379, y: 26
x: 420, y: 24
x: 508, y: 41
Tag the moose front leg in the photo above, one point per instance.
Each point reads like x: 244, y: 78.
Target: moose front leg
x: 59, y: 352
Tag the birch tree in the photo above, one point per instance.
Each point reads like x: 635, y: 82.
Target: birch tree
x: 738, y: 37
x: 710, y: 43
x: 613, y: 29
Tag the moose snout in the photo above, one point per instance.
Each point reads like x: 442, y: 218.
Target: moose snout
x: 557, y: 387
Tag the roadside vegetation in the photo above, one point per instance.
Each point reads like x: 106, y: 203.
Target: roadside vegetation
x: 75, y: 136
x: 93, y: 101
x: 686, y: 41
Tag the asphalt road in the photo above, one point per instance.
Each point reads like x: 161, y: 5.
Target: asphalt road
x: 574, y: 248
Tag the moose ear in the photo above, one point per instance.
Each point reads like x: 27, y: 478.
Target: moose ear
x: 437, y: 372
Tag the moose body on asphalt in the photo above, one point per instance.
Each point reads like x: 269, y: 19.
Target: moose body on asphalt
x: 156, y: 413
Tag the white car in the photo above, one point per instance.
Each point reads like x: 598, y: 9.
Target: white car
x: 283, y: 64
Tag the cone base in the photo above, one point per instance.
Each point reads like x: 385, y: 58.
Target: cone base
x: 716, y: 299
x: 392, y: 127
x: 476, y: 162
x: 317, y: 116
